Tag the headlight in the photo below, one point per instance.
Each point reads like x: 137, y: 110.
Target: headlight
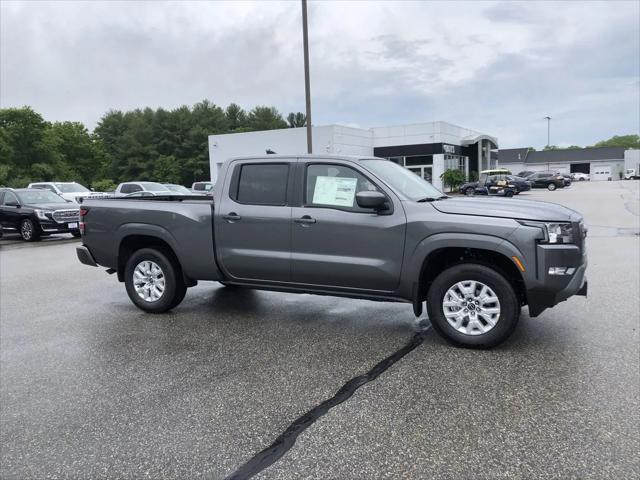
x: 558, y: 233
x: 42, y: 214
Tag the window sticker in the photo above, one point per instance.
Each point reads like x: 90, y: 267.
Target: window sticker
x: 335, y: 191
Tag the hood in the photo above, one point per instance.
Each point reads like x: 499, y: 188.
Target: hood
x: 507, y: 208
x: 55, y: 206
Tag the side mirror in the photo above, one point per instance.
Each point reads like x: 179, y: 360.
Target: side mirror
x: 371, y: 199
x: 12, y: 204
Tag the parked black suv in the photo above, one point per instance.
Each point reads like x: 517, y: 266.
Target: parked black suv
x: 549, y: 180
x: 36, y: 212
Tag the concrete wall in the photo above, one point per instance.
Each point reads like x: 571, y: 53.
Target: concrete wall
x: 331, y: 139
x: 414, y: 134
x: 515, y: 168
x: 616, y: 166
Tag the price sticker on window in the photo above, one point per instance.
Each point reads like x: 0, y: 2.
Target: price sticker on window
x: 335, y: 191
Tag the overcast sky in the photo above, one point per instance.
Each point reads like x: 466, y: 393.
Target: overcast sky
x: 490, y: 66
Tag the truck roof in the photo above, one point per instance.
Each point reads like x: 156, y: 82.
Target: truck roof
x: 279, y: 157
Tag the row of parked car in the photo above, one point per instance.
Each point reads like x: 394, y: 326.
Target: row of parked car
x: 45, y: 208
x: 503, y: 182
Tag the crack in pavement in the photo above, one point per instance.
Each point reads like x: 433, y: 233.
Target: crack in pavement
x: 286, y: 440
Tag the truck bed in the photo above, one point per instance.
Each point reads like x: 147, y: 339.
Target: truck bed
x: 182, y: 222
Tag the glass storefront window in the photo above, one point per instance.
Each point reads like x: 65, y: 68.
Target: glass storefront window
x: 418, y: 160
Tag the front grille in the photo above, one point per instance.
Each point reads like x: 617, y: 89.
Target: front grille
x: 65, y: 216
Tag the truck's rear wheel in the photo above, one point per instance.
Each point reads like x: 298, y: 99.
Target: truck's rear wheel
x: 153, y: 281
x: 473, y: 305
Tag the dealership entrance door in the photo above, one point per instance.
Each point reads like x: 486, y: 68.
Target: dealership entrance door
x: 423, y: 171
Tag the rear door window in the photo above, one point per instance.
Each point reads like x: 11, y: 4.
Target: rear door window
x: 262, y: 184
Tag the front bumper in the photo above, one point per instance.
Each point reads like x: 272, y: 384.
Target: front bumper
x: 48, y: 226
x: 553, y: 289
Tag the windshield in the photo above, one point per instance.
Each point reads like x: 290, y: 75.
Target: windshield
x: 71, y: 187
x: 179, y: 189
x: 28, y: 197
x: 404, y: 181
x: 154, y: 187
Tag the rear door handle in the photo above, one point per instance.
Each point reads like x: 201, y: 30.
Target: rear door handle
x: 306, y: 219
x: 232, y: 217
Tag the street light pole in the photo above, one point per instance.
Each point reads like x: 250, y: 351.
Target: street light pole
x: 548, y: 119
x: 307, y: 87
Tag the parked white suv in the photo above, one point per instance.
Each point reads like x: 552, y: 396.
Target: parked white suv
x: 71, y: 191
x: 155, y: 188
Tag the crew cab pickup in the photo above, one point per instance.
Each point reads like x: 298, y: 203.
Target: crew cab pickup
x: 345, y: 226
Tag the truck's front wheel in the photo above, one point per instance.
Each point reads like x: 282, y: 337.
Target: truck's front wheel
x: 473, y: 305
x: 154, y: 282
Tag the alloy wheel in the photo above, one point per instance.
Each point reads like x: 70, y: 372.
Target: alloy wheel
x: 149, y: 281
x: 26, y: 230
x: 471, y: 307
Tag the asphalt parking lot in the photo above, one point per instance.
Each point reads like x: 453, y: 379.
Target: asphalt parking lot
x: 91, y: 387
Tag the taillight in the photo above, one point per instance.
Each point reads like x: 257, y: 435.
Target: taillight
x: 83, y: 213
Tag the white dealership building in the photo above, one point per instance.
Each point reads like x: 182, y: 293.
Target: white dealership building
x: 427, y: 149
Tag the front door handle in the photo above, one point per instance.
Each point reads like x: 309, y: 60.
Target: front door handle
x: 232, y: 217
x: 306, y: 219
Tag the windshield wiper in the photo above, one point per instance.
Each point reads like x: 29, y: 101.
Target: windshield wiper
x: 432, y: 199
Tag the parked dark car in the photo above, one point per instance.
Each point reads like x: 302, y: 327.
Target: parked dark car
x: 567, y: 179
x: 35, y: 212
x: 506, y: 185
x: 521, y: 183
x: 548, y: 180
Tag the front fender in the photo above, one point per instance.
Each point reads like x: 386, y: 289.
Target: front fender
x: 439, y: 241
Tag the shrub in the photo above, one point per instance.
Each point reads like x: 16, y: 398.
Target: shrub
x: 104, y: 185
x: 453, y: 178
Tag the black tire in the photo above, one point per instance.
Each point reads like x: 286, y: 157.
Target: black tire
x: 551, y: 187
x: 174, y: 289
x: 470, y: 191
x: 508, y: 193
x: 76, y: 234
x: 29, y: 230
x: 496, y: 281
x: 581, y: 179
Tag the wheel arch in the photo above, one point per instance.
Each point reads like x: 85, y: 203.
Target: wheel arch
x: 134, y: 240
x: 449, y: 250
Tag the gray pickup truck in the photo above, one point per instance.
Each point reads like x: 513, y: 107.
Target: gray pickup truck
x: 345, y: 226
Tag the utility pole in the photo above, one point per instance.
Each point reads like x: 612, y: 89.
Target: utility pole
x: 307, y: 87
x: 548, y: 119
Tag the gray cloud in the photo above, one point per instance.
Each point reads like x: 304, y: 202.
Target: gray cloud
x: 496, y: 67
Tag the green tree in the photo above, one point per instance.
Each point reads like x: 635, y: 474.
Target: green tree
x: 453, y: 178
x: 236, y: 117
x: 265, y: 118
x: 626, y: 141
x: 297, y: 119
x: 167, y: 170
